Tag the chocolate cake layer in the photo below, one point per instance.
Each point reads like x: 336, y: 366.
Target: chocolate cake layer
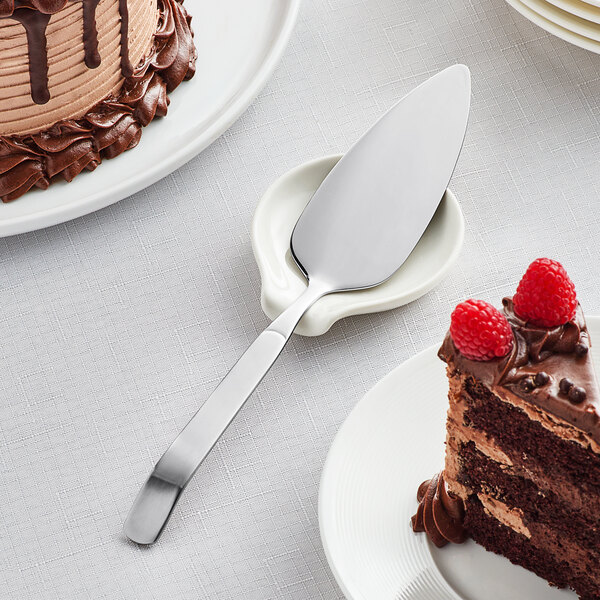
x: 537, y: 507
x: 498, y: 538
x: 526, y: 441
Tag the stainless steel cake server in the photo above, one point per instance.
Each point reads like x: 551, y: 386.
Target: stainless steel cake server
x: 359, y: 227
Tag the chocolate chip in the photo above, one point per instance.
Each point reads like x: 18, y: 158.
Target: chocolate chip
x: 565, y: 385
x: 527, y: 384
x: 541, y: 378
x: 581, y: 350
x: 577, y: 394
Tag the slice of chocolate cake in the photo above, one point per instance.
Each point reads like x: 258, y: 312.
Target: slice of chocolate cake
x: 523, y: 434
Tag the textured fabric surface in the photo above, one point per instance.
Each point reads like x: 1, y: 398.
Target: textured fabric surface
x: 114, y: 327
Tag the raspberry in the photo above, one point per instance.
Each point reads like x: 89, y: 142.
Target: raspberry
x: 545, y: 296
x: 480, y: 331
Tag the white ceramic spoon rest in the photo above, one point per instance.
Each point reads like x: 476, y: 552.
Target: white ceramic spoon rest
x: 282, y: 281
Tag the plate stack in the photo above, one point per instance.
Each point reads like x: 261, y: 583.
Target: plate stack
x: 575, y: 21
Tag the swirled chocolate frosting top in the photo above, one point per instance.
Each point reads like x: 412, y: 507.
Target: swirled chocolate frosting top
x: 549, y: 367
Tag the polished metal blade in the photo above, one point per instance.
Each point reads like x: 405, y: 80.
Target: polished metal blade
x: 373, y: 207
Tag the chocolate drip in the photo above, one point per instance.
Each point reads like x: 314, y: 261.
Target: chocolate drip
x: 126, y: 66
x: 35, y: 24
x: 90, y: 34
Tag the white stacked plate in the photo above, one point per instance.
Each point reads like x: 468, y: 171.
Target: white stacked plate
x: 575, y: 21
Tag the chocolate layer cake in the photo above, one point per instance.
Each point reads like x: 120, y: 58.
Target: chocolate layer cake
x: 523, y: 453
x: 79, y: 79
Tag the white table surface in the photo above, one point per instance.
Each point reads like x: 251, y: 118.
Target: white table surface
x: 114, y: 327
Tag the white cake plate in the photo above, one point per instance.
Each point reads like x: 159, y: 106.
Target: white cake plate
x: 390, y: 443
x: 239, y: 45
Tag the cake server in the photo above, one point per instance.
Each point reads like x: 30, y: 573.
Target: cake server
x: 357, y: 230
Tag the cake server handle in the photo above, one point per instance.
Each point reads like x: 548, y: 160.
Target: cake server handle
x: 157, y: 498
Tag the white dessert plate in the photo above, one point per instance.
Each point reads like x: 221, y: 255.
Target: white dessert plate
x: 558, y: 30
x: 282, y: 281
x: 239, y: 45
x: 391, y: 442
x: 564, y: 19
x: 585, y: 10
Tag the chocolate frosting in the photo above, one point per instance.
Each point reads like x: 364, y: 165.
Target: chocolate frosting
x: 111, y: 127
x: 440, y: 513
x: 47, y: 7
x: 556, y: 354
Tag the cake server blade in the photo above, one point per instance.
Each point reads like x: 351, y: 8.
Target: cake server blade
x: 357, y: 230
x: 371, y: 210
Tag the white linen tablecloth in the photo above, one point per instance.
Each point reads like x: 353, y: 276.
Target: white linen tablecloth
x: 114, y: 327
